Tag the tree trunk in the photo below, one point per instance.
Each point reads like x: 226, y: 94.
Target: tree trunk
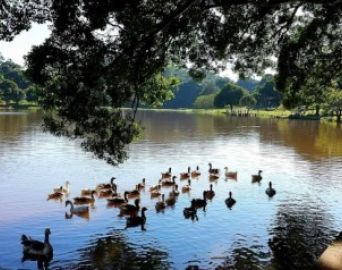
x: 338, y: 113
x: 317, y: 110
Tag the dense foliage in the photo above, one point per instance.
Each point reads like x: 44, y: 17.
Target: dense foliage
x: 105, y: 54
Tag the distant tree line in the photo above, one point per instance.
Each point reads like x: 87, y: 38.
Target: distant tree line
x: 14, y: 87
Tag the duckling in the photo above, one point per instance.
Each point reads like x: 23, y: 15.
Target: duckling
x: 87, y: 191
x: 209, y: 193
x: 136, y: 220
x: 160, y: 205
x: 55, y: 196
x: 185, y: 175
x: 213, y: 171
x: 63, y: 189
x: 85, y: 200
x: 133, y: 193
x: 229, y: 174
x: 199, y: 203
x: 169, y: 183
x: 190, y: 211
x: 187, y: 188
x: 171, y: 200
x: 37, y: 248
x: 174, y: 191
x: 166, y: 174
x: 117, y: 200
x: 195, y: 173
x: 130, y: 209
x: 230, y: 201
x: 270, y: 191
x: 106, y: 185
x: 142, y: 184
x: 257, y: 177
x: 213, y: 177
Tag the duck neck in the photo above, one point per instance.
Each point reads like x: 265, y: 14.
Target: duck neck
x: 46, y: 240
x: 137, y: 204
x: 143, y: 214
x: 125, y: 197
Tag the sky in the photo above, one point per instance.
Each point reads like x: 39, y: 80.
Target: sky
x: 22, y: 44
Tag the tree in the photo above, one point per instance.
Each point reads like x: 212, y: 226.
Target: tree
x: 32, y: 93
x: 229, y: 95
x: 104, y: 54
x: 248, y: 101
x: 266, y: 94
x: 334, y: 102
x: 9, y: 91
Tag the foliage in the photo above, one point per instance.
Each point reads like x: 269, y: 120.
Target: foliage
x: 229, y: 95
x: 334, y: 102
x: 105, y: 54
x: 248, y: 101
x: 266, y: 94
x: 205, y: 101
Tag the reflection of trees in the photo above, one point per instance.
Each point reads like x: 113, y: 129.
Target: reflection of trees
x: 246, y: 258
x: 114, y: 252
x: 300, y: 233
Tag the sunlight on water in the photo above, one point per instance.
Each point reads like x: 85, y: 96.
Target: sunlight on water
x: 302, y: 159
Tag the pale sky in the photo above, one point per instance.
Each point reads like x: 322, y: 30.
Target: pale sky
x: 23, y: 43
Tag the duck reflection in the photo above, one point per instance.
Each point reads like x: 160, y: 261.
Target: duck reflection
x: 113, y: 251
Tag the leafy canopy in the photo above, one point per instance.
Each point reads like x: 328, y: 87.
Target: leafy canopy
x: 105, y: 54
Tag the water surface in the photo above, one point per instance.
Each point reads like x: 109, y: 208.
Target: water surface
x: 301, y: 158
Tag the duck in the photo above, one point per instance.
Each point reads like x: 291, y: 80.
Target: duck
x: 77, y: 210
x: 190, y: 211
x: 161, y: 204
x: 156, y: 187
x: 142, y: 184
x: 199, y: 203
x: 133, y: 193
x: 257, y: 177
x: 213, y: 177
x: 87, y: 191
x: 169, y: 183
x: 187, y: 188
x: 135, y: 221
x: 108, y: 192
x: 229, y: 174
x: 166, y: 174
x: 230, y: 201
x: 270, y: 191
x: 185, y: 175
x: 171, y: 200
x: 106, y: 185
x: 37, y: 248
x: 117, y: 199
x: 174, y: 191
x: 130, y: 209
x: 213, y: 171
x: 155, y: 194
x: 196, y: 172
x: 63, y: 189
x: 57, y: 195
x: 209, y: 193
x: 84, y: 199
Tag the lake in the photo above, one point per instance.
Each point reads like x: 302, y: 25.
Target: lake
x: 303, y: 159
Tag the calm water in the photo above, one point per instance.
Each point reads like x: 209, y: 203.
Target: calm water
x: 302, y: 159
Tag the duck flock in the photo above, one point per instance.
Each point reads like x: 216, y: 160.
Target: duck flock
x: 80, y: 206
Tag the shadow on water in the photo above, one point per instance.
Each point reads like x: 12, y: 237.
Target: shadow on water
x: 115, y: 252
x: 298, y: 236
